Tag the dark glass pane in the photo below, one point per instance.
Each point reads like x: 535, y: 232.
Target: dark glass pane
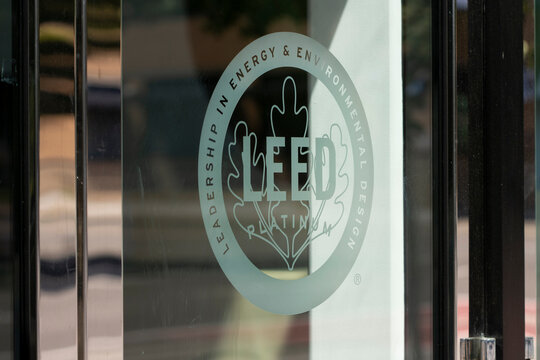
x: 7, y: 104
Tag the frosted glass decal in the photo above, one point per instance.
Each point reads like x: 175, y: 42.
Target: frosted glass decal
x: 329, y: 194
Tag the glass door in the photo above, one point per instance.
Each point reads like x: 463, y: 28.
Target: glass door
x: 267, y: 179
x: 262, y: 180
x: 236, y: 180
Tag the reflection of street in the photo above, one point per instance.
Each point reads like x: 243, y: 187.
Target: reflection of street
x: 104, y: 296
x: 57, y: 302
x: 202, y: 317
x: 177, y: 301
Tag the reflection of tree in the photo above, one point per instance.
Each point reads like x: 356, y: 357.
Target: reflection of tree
x: 417, y: 57
x: 254, y: 15
x: 417, y: 26
x: 528, y: 34
x: 56, y: 26
x: 417, y: 76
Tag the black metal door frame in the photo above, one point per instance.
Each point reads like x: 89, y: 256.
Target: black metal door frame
x: 496, y: 241
x: 444, y: 178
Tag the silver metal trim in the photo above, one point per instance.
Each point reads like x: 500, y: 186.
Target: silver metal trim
x: 80, y: 296
x: 57, y: 237
x: 104, y: 181
x: 477, y: 348
x: 529, y: 348
x: 81, y: 157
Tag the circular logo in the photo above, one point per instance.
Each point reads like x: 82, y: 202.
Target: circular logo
x: 329, y: 166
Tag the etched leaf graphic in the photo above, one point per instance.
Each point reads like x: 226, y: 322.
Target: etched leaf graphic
x: 288, y: 218
x: 327, y: 214
x: 288, y: 120
x: 241, y: 131
x: 245, y: 140
x: 281, y: 116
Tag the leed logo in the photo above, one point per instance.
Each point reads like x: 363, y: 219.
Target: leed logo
x: 288, y: 221
x: 305, y: 185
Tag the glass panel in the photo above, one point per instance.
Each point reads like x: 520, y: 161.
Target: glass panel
x: 418, y: 176
x: 275, y: 242
x: 9, y: 111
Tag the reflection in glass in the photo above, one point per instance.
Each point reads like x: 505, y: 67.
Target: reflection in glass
x: 177, y: 301
x: 417, y: 28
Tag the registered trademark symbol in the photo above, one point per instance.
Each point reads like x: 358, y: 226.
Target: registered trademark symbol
x: 357, y: 279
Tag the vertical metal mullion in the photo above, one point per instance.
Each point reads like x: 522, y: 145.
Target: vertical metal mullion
x: 26, y: 180
x: 496, y: 246
x: 57, y: 192
x: 81, y: 161
x: 477, y: 238
x: 444, y: 182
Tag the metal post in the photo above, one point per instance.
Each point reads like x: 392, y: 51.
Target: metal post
x: 444, y: 181
x: 496, y: 247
